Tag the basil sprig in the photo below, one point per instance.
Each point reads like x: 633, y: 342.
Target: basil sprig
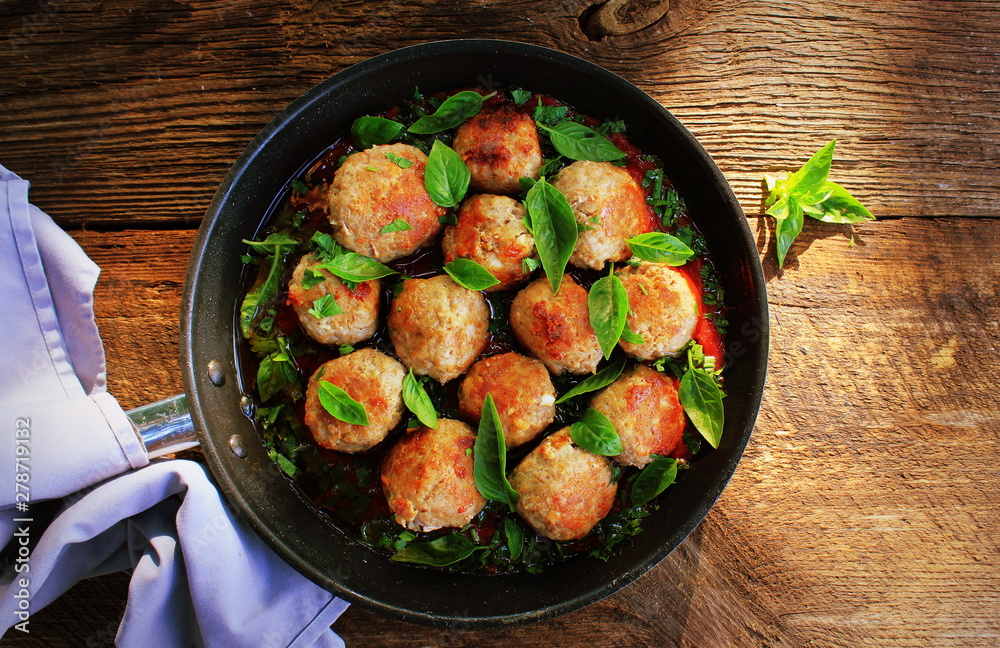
x: 701, y: 398
x: 601, y: 379
x: 277, y: 372
x: 418, y: 401
x: 276, y: 245
x: 469, y: 274
x: 490, y: 466
x: 368, y: 131
x: 579, y: 142
x: 551, y: 221
x: 607, y: 305
x: 446, y: 178
x: 340, y: 405
x: 439, y: 552
x: 809, y: 192
x: 452, y: 112
x: 653, y: 480
x: 596, y: 433
x: 658, y: 247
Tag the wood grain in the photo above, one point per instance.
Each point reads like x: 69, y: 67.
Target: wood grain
x: 864, y: 511
x: 125, y: 112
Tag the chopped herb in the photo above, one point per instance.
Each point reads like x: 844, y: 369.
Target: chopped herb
x: 325, y: 306
x: 519, y: 96
x: 299, y: 187
x: 398, y: 160
x: 398, y: 225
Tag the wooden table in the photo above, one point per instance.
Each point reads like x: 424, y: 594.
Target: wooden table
x: 865, y: 511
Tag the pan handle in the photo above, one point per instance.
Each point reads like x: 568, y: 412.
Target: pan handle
x: 164, y: 426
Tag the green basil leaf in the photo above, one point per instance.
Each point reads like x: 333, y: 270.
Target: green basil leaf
x: 399, y: 161
x: 418, y: 400
x: 601, y: 379
x: 277, y: 372
x: 631, y: 336
x: 256, y: 301
x: 653, y: 480
x: 324, y: 246
x: 813, y: 173
x: 446, y: 177
x: 439, y: 552
x: 607, y: 304
x: 490, y: 466
x: 515, y: 538
x: 469, y: 274
x: 299, y: 187
x: 787, y: 229
x: 455, y: 110
x: 340, y: 405
x: 552, y: 223
x: 701, y: 398
x: 841, y: 207
x: 658, y: 247
x: 398, y: 225
x: 311, y: 278
x: 549, y: 114
x: 519, y: 96
x: 579, y: 142
x: 595, y: 432
x: 369, y: 131
x: 351, y: 266
x: 275, y: 243
x: 325, y: 306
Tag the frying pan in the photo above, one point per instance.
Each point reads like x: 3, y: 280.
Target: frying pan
x: 221, y: 408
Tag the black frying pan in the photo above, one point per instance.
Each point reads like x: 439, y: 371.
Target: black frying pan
x: 277, y: 510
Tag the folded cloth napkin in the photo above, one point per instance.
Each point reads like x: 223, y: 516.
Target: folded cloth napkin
x: 200, y: 577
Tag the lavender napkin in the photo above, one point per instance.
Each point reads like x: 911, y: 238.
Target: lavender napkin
x: 200, y: 577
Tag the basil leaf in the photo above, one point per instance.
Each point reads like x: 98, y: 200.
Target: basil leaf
x: 787, y: 229
x: 701, y: 398
x: 813, y: 173
x: 552, y: 223
x: 351, y: 266
x: 602, y: 378
x: 276, y: 243
x: 519, y: 96
x: 653, y: 480
x: 398, y: 225
x: 841, y: 207
x: 549, y: 114
x: 340, y: 405
x: 607, y: 304
x: 418, y: 400
x: 325, y: 306
x: 455, y: 110
x: 515, y: 538
x: 399, y: 161
x: 263, y: 293
x: 490, y: 466
x: 631, y: 336
x: 446, y: 178
x: 469, y: 274
x: 299, y: 187
x: 579, y: 142
x: 369, y: 131
x: 311, y: 278
x: 275, y: 373
x: 325, y: 247
x: 658, y: 247
x: 595, y: 433
x: 439, y: 552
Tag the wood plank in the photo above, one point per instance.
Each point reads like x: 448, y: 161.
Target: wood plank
x: 864, y: 511
x: 135, y: 111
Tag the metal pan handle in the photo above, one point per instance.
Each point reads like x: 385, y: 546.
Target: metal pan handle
x: 164, y: 426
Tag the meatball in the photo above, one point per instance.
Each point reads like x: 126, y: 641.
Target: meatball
x: 563, y: 489
x: 608, y: 200
x: 491, y: 232
x: 664, y: 309
x: 358, y: 319
x: 373, y: 189
x: 499, y: 146
x: 428, y: 477
x: 437, y: 327
x: 646, y: 412
x: 373, y: 379
x: 522, y: 392
x: 556, y: 328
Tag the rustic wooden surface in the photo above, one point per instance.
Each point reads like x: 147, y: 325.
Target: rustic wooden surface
x: 865, y: 511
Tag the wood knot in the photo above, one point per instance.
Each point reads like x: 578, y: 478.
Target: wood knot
x: 618, y: 17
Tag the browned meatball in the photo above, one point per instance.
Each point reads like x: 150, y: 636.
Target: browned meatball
x: 491, y: 232
x: 372, y: 190
x: 664, y: 309
x: 499, y: 146
x: 563, y: 490
x: 521, y: 389
x: 607, y: 199
x: 373, y: 379
x: 646, y: 412
x: 359, y: 318
x: 557, y: 328
x: 437, y: 327
x: 428, y: 477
